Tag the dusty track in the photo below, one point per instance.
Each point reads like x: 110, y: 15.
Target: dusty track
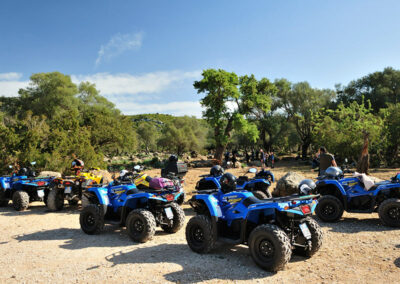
x: 40, y: 246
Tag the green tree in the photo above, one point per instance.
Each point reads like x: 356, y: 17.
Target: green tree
x: 392, y: 133
x: 342, y: 130
x: 148, y: 136
x: 300, y: 101
x: 183, y: 134
x: 227, y: 106
x: 380, y: 88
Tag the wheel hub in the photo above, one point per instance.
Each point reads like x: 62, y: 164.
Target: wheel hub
x: 198, y: 235
x: 138, y: 226
x: 394, y: 213
x: 328, y: 209
x: 266, y: 248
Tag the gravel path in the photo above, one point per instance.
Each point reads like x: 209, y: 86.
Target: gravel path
x: 40, y: 246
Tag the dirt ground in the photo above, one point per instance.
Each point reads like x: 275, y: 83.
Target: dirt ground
x: 45, y: 247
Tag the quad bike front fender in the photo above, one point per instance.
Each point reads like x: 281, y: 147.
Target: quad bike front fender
x: 330, y: 183
x: 101, y: 194
x: 210, y: 202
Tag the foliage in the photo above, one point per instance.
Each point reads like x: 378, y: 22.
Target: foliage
x: 342, y: 130
x: 228, y: 100
x: 183, y: 134
x: 379, y: 88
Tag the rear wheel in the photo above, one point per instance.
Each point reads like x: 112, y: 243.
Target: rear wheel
x: 259, y: 194
x: 55, y: 200
x: 270, y: 247
x: 91, y: 219
x: 199, y: 234
x: 329, y: 208
x: 20, y: 200
x: 141, y: 225
x: 316, y: 239
x: 178, y: 220
x: 389, y: 212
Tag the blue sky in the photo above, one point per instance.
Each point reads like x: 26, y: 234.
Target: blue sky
x: 145, y: 55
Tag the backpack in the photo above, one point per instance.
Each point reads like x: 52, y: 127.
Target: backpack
x: 160, y: 183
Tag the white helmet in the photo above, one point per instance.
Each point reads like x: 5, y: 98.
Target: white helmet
x: 122, y: 173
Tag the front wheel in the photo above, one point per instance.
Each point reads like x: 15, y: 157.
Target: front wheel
x: 316, y: 239
x: 270, y: 247
x: 55, y: 200
x: 389, y: 212
x: 91, y: 219
x: 20, y: 200
x: 141, y: 225
x: 178, y: 220
x: 329, y: 208
x: 199, y: 234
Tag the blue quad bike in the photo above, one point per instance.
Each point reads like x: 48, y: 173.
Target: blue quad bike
x: 340, y: 194
x: 139, y: 210
x: 271, y: 228
x: 23, y: 187
x: 258, y: 185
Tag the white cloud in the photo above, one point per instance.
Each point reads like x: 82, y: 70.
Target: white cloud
x: 117, y: 84
x: 118, y: 44
x: 176, y: 108
x: 10, y: 76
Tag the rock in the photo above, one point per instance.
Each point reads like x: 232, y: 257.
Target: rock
x: 202, y: 163
x: 254, y: 164
x: 288, y: 184
x: 49, y: 174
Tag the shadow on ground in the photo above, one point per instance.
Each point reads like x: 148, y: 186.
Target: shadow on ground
x: 224, y: 263
x: 355, y: 225
x: 36, y: 209
x: 74, y: 239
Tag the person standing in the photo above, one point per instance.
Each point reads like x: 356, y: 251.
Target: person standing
x: 326, y: 160
x: 272, y: 159
x: 262, y: 158
x: 247, y: 157
x: 234, y: 159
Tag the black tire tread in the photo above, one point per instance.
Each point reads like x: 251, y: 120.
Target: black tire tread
x: 205, y: 222
x: 20, y: 200
x: 282, y: 238
x: 332, y: 199
x: 54, y: 201
x: 178, y: 221
x: 96, y: 210
x: 150, y: 226
x: 382, y: 212
x: 316, y: 238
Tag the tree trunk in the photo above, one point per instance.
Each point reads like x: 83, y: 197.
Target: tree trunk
x: 304, y: 149
x: 219, y: 151
x: 363, y: 162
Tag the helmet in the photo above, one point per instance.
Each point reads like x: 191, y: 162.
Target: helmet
x: 333, y: 172
x: 228, y: 182
x: 23, y: 172
x: 306, y: 186
x: 122, y: 173
x: 216, y: 171
x: 173, y: 158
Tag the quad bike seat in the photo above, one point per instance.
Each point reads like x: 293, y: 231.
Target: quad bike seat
x: 252, y: 200
x: 242, y: 179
